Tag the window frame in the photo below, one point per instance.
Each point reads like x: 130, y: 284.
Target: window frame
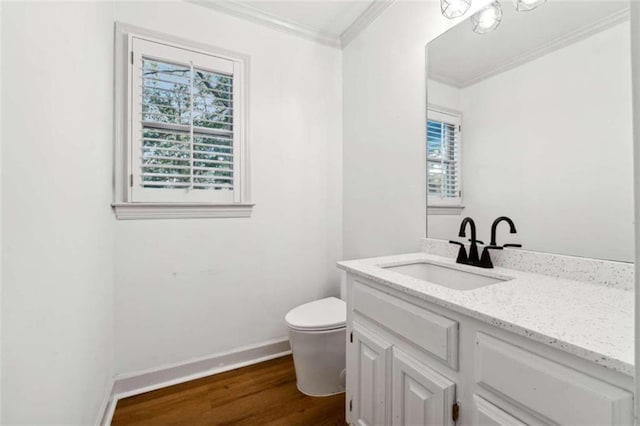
x: 123, y: 204
x: 439, y: 205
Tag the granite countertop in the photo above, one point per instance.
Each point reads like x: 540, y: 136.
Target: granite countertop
x: 588, y: 320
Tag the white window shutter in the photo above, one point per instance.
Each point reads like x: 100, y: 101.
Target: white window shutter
x: 183, y: 138
x: 444, y: 179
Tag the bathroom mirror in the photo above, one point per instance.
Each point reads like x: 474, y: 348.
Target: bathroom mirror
x: 533, y: 120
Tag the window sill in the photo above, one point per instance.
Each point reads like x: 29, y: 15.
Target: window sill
x: 444, y: 210
x: 133, y: 211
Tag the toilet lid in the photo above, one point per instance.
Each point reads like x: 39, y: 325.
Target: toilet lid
x: 323, y: 314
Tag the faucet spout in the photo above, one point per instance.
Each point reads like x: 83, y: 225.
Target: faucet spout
x: 467, y: 221
x: 494, y: 228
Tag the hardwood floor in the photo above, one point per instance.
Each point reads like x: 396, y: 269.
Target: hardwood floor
x: 261, y: 394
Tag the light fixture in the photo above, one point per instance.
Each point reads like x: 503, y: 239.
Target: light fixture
x: 527, y: 5
x: 487, y: 19
x: 454, y: 8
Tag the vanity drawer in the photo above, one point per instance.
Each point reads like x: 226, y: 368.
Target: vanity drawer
x: 487, y: 414
x: 434, y: 333
x: 551, y: 390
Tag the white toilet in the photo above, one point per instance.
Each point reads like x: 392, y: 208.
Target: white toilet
x: 317, y: 331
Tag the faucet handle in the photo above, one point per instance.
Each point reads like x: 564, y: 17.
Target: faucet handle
x: 512, y: 245
x: 462, y: 253
x: 477, y: 241
x: 485, y: 259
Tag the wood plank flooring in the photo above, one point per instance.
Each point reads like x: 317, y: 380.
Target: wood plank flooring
x: 261, y: 394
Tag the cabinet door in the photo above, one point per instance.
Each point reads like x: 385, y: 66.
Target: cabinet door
x: 421, y: 396
x: 487, y: 414
x: 368, y: 387
x: 551, y: 390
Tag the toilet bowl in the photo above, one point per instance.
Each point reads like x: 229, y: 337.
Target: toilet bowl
x: 317, y: 331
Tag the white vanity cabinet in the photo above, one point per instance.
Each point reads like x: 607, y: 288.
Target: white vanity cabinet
x: 487, y: 414
x: 410, y: 362
x: 419, y: 394
x: 369, y: 358
x: 392, y: 387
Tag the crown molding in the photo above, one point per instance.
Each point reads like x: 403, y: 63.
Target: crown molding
x: 250, y: 13
x: 445, y: 80
x: 553, y: 45
x: 370, y: 14
x: 253, y: 14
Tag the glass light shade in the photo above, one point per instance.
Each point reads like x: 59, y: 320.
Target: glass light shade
x: 527, y: 5
x: 487, y: 19
x: 454, y: 8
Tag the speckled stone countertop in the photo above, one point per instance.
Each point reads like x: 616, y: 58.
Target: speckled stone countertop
x: 604, y: 272
x: 591, y: 321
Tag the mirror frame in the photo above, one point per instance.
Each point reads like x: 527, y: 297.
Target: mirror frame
x: 635, y: 82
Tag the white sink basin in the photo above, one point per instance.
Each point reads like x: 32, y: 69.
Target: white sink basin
x: 444, y: 276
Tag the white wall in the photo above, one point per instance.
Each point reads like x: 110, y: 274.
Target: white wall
x: 183, y: 288
x: 191, y: 288
x: 57, y: 259
x: 549, y: 144
x: 384, y: 131
x: 443, y: 95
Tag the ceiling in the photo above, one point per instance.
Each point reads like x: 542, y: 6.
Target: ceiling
x: 331, y: 22
x: 461, y: 57
x: 331, y: 17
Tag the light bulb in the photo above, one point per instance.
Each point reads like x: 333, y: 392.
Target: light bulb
x: 527, y: 5
x: 454, y: 8
x: 487, y: 19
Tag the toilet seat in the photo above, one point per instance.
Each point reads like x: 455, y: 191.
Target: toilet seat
x: 319, y: 315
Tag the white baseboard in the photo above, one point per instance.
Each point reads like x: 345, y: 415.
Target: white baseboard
x: 107, y: 414
x: 130, y: 384
x: 106, y: 403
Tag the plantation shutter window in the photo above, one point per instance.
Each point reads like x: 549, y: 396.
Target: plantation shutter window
x: 443, y: 159
x: 183, y: 132
x: 181, y: 128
